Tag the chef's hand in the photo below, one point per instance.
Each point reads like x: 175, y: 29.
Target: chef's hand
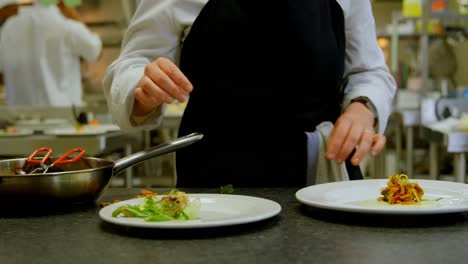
x: 355, y: 127
x: 162, y: 82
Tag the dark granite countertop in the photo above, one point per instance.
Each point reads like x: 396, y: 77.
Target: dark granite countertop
x: 299, y: 234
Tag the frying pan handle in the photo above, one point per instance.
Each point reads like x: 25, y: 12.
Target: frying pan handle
x: 155, y: 151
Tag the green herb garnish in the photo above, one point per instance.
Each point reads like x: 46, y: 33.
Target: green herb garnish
x: 226, y: 189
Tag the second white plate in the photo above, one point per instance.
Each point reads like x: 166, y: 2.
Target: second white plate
x: 361, y: 197
x: 216, y: 210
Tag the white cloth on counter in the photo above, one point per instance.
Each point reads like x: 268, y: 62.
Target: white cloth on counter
x: 158, y: 28
x: 319, y: 169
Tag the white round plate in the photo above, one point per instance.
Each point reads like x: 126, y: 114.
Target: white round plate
x: 71, y: 131
x: 216, y: 210
x: 37, y: 122
x: 105, y: 127
x: 86, y: 130
x: 361, y: 197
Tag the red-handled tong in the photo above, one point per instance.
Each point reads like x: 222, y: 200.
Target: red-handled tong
x: 64, y: 159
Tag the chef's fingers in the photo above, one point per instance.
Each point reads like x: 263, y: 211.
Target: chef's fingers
x: 342, y: 141
x: 350, y: 142
x: 159, y: 77
x: 152, y: 94
x: 364, y: 146
x: 174, y: 73
x: 378, y: 144
x: 337, y: 137
x: 141, y: 107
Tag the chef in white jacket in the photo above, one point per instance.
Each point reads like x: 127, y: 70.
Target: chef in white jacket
x: 40, y: 52
x: 259, y: 74
x: 4, y: 3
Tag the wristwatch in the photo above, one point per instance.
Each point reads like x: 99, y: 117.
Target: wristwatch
x: 367, y: 103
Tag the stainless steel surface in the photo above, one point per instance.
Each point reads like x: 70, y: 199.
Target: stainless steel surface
x: 16, y: 113
x: 42, y: 167
x: 409, y: 150
x: 455, y: 143
x: 78, y: 182
x: 407, y: 119
x: 75, y: 185
x: 434, y: 161
x: 459, y: 162
x: 95, y: 145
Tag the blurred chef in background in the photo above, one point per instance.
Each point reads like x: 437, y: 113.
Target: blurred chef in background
x: 40, y: 52
x: 8, y: 8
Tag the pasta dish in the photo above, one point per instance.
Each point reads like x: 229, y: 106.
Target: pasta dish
x: 400, y: 191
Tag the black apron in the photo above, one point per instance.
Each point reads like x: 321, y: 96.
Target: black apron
x: 263, y: 72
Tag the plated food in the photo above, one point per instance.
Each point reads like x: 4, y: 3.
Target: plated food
x: 143, y: 193
x: 169, y: 207
x: 362, y: 196
x: 215, y: 210
x: 400, y: 190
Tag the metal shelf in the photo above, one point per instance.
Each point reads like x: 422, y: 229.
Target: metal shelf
x: 409, y: 36
x: 444, y: 16
x: 424, y: 35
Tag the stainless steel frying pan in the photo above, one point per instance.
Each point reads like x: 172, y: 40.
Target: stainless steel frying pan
x: 79, y: 182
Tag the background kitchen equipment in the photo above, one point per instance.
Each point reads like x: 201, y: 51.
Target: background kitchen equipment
x: 451, y: 107
x: 79, y: 182
x: 443, y: 63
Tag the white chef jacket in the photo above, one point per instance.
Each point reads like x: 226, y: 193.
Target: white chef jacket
x: 6, y: 2
x: 40, y: 52
x: 158, y: 28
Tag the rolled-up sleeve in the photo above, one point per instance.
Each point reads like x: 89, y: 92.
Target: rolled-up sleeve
x: 366, y: 72
x: 152, y: 33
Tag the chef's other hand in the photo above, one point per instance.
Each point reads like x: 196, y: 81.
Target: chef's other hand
x: 355, y: 127
x: 162, y: 82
